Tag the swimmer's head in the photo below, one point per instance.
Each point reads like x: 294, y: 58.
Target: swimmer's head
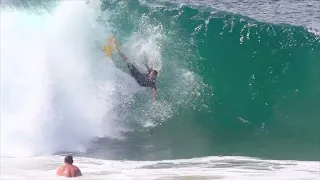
x: 68, y: 159
x: 153, y: 74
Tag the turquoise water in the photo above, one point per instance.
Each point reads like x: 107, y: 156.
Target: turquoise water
x: 260, y: 92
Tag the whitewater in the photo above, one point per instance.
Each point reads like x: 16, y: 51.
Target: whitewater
x: 59, y: 92
x: 50, y: 96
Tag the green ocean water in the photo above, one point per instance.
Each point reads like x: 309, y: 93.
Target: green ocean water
x: 260, y: 93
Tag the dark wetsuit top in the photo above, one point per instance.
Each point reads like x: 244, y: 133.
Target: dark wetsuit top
x: 142, y: 79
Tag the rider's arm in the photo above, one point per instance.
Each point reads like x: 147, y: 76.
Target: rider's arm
x: 155, y: 93
x: 146, y: 65
x: 149, y: 69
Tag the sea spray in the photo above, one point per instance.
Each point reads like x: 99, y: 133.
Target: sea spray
x: 58, y: 89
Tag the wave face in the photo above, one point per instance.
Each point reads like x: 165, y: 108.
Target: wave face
x: 228, y: 84
x: 260, y: 90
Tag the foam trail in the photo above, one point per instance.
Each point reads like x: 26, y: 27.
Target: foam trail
x: 51, y: 99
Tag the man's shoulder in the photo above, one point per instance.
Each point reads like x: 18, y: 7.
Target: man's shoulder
x: 60, y: 170
x: 62, y: 167
x: 78, y: 171
x: 75, y: 167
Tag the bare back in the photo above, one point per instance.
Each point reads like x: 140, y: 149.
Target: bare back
x: 69, y: 170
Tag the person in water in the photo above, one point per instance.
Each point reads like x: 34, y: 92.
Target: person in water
x: 145, y: 80
x: 68, y: 169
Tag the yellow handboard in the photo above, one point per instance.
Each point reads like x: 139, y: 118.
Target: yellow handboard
x: 108, y: 50
x: 112, y: 45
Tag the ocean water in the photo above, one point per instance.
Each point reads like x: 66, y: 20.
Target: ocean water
x: 238, y: 89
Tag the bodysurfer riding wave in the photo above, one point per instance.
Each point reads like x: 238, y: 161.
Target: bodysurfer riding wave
x: 143, y: 79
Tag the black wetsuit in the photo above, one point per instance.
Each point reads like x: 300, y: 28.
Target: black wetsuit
x: 142, y: 79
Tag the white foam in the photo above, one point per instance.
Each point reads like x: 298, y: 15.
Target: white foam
x: 230, y: 168
x: 58, y: 89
